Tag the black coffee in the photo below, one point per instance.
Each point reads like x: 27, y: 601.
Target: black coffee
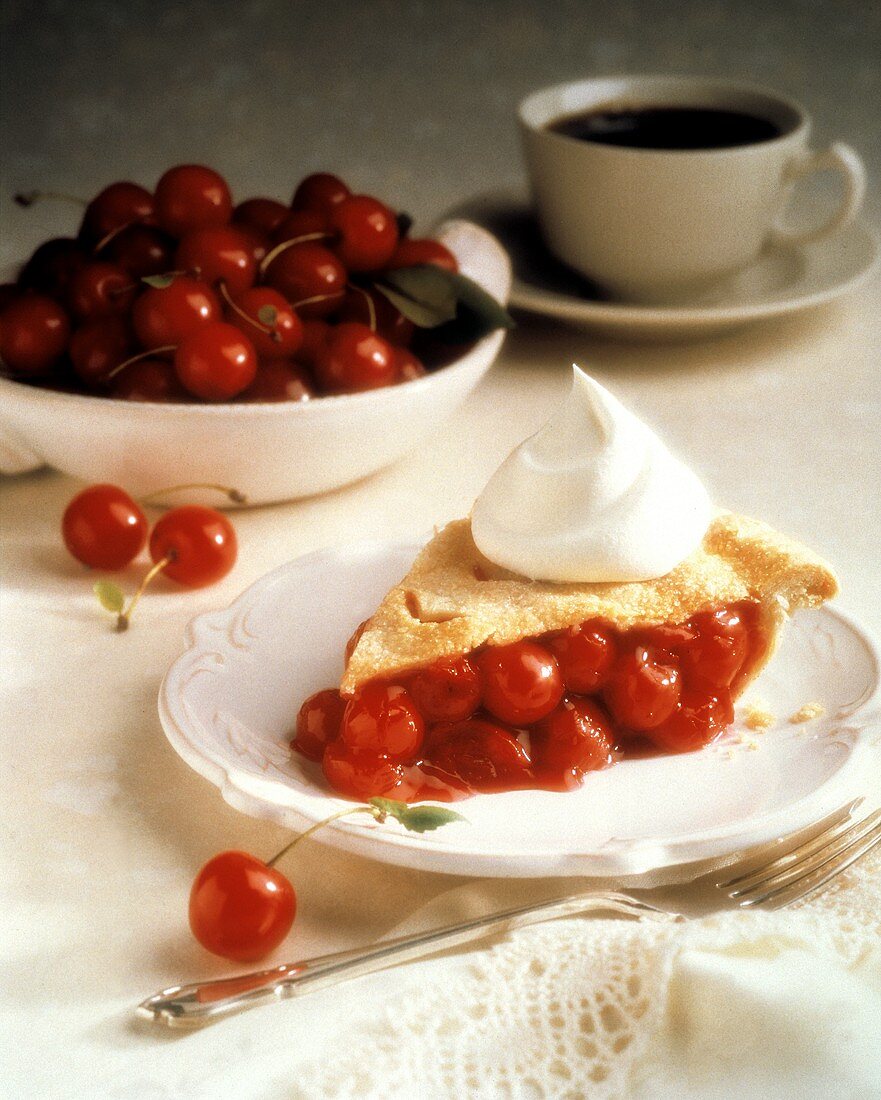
x: 666, y: 127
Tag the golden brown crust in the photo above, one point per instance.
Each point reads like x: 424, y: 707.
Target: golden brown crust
x: 454, y: 600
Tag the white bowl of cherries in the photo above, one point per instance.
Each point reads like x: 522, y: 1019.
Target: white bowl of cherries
x: 285, y: 350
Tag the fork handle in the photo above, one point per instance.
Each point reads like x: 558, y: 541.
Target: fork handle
x: 202, y: 1002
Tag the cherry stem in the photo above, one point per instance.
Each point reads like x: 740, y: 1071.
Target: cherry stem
x: 285, y: 245
x: 118, y: 291
x: 234, y: 495
x: 122, y: 619
x: 105, y: 241
x: 28, y: 198
x: 315, y: 298
x: 137, y: 358
x: 372, y: 810
x: 268, y: 330
x: 371, y: 308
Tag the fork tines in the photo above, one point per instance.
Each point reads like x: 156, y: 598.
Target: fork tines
x: 810, y: 865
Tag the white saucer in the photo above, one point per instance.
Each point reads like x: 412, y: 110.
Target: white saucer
x: 229, y: 703
x: 783, y: 280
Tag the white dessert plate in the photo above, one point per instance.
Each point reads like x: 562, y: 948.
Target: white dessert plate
x: 229, y: 703
x: 784, y: 280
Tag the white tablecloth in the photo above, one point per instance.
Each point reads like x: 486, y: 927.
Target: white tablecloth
x: 104, y: 826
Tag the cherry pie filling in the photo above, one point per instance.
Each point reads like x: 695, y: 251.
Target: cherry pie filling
x: 538, y: 713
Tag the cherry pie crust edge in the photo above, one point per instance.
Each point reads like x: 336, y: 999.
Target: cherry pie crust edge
x: 453, y: 600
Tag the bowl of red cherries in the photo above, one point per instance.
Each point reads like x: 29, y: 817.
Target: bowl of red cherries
x: 286, y: 348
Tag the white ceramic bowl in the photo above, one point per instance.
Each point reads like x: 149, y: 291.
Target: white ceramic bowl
x: 270, y: 452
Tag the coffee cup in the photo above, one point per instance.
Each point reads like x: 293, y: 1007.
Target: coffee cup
x: 655, y: 187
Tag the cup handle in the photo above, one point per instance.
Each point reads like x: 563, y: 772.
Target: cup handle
x: 15, y: 456
x: 840, y: 158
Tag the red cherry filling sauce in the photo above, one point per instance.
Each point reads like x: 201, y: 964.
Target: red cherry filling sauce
x: 539, y: 713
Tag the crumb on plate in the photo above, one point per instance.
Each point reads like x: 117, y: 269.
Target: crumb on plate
x: 807, y: 713
x: 756, y: 716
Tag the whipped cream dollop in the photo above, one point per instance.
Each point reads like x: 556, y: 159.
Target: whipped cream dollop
x: 594, y: 495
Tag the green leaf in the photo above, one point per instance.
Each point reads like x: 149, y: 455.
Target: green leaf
x: 454, y: 306
x: 109, y: 596
x: 473, y: 297
x: 267, y: 315
x: 418, y: 819
x: 160, y: 282
x: 423, y: 314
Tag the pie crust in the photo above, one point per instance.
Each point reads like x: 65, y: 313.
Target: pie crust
x: 454, y: 600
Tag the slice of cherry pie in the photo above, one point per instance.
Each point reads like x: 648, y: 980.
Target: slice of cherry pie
x: 469, y: 678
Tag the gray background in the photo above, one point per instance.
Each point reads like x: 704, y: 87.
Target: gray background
x: 413, y: 101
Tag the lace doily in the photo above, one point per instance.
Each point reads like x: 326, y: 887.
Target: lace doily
x: 576, y: 1008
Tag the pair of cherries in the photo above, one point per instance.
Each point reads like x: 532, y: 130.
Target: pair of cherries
x: 104, y: 528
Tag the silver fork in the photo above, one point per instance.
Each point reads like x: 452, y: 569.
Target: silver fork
x: 772, y: 876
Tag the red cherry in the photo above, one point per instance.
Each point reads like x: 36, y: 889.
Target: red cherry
x: 279, y: 380
x: 100, y: 289
x: 218, y: 254
x: 378, y: 313
x: 643, y: 689
x: 257, y: 244
x: 359, y: 773
x: 99, y: 346
x: 191, y: 196
x: 216, y: 362
x: 585, y: 655
x: 306, y: 271
x: 201, y: 543
x: 414, y: 250
x: 149, y: 380
x: 320, y: 191
x: 241, y: 908
x: 52, y: 266
x: 353, y: 359
x: 366, y: 231
x: 446, y: 691
x: 382, y: 718
x: 315, y: 334
x: 407, y: 367
x: 164, y: 316
x: 287, y: 328
x: 141, y: 250
x: 34, y: 331
x: 521, y: 682
x: 573, y: 739
x: 700, y: 717
x: 120, y: 204
x: 318, y: 723
x: 264, y: 215
x: 300, y: 223
x: 717, y: 653
x: 103, y: 527
x: 668, y: 637
x: 8, y: 293
x: 480, y: 754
